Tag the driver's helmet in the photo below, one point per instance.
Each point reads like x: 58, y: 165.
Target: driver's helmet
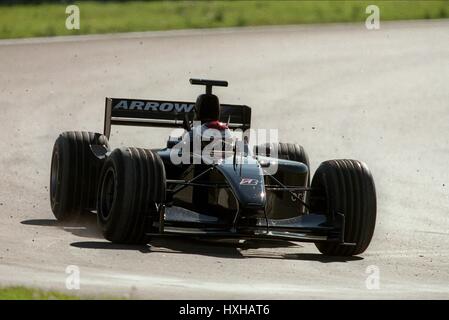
x: 207, y: 108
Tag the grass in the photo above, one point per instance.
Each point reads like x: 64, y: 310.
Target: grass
x: 23, y: 293
x: 47, y: 19
x: 26, y: 293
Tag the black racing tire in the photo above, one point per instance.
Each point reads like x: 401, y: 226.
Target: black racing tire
x: 286, y: 151
x: 346, y: 187
x: 74, y: 173
x: 132, y: 185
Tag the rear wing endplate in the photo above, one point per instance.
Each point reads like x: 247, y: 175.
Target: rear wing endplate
x: 166, y: 114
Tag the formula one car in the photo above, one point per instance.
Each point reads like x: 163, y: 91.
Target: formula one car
x: 137, y: 192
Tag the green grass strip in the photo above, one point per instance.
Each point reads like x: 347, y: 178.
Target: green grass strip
x: 34, y: 20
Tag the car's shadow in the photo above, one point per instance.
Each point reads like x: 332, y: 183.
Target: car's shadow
x: 232, y: 249
x: 85, y: 226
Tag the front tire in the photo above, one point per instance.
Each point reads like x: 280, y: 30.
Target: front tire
x: 132, y: 185
x: 346, y: 187
x: 74, y: 173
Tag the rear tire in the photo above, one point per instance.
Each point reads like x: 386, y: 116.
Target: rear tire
x: 286, y: 151
x: 74, y: 173
x: 346, y: 187
x: 131, y: 186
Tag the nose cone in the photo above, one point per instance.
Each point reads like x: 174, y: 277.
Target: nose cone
x: 246, y: 181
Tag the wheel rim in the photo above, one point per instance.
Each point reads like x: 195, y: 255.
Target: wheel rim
x: 108, y: 192
x: 54, y: 176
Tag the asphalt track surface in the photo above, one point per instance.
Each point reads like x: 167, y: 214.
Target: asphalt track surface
x: 340, y: 90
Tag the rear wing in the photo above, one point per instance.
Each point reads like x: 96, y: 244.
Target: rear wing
x: 166, y: 114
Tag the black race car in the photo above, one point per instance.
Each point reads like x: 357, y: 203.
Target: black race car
x: 235, y: 193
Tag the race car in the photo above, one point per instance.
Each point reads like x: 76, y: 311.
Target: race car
x: 236, y: 192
